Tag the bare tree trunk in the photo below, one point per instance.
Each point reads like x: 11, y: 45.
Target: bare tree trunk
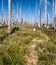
x: 53, y: 12
x: 9, y: 17
x: 2, y: 11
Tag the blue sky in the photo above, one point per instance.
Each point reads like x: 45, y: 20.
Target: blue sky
x: 25, y: 4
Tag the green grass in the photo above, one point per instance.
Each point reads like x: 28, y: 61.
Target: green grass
x: 48, y: 55
x: 15, y: 46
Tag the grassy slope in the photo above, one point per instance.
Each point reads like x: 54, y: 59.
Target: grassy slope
x: 18, y: 47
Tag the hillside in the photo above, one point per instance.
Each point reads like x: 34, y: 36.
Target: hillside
x: 24, y: 46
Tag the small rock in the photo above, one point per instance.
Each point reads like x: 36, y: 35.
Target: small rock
x: 34, y: 29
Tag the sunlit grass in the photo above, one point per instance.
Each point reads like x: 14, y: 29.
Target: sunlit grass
x: 15, y: 45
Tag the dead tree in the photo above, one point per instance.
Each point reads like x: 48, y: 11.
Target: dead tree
x: 9, y: 16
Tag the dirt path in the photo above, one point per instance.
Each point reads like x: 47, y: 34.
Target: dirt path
x: 32, y: 57
x: 44, y: 35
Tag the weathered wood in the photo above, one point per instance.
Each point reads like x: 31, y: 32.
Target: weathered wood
x: 9, y: 17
